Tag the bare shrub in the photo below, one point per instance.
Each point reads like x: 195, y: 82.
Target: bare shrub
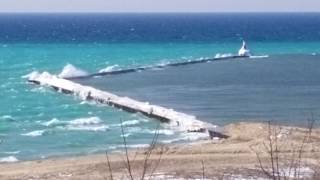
x: 148, y: 168
x: 279, y: 164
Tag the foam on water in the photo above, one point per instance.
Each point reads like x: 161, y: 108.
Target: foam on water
x: 109, y: 68
x: 12, y: 152
x: 257, y: 57
x: 31, y: 75
x: 186, y: 137
x: 130, y: 146
x: 138, y: 130
x: 132, y: 122
x: 86, y: 128
x: 9, y: 159
x: 34, y: 133
x: 223, y: 55
x: 140, y: 48
x: 79, y: 124
x: 167, y: 132
x: 53, y: 121
x: 7, y: 117
x: 70, y: 70
x: 86, y: 121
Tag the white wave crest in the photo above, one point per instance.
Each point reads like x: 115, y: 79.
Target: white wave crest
x: 31, y: 75
x: 138, y: 130
x: 86, y: 121
x: 34, y: 133
x: 80, y: 124
x: 51, y: 122
x: 7, y: 117
x: 79, y: 121
x: 8, y: 159
x: 135, y: 146
x: 218, y: 55
x: 167, y: 132
x: 187, y: 137
x: 109, y: 68
x: 35, y: 74
x: 87, y: 128
x: 258, y: 57
x: 69, y: 71
x: 12, y: 152
x: 131, y: 122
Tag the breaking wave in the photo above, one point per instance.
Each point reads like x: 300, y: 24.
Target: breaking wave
x: 69, y: 71
x: 78, y: 121
x: 7, y: 118
x: 86, y: 121
x: 34, y: 133
x: 218, y: 55
x: 109, y: 68
x: 187, y: 137
x: 31, y: 75
x: 87, y: 128
x: 257, y: 57
x: 8, y: 159
x: 80, y: 124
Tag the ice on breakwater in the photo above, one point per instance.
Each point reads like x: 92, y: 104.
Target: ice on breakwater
x: 176, y: 120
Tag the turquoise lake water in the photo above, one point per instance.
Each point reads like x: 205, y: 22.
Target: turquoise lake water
x: 36, y: 122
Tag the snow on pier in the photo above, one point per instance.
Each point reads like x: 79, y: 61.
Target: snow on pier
x: 177, y: 120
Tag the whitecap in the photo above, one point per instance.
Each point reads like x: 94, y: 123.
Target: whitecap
x: 12, y: 152
x: 8, y: 159
x: 130, y: 146
x: 31, y: 75
x: 160, y: 131
x: 34, y: 133
x: 69, y: 71
x: 79, y: 121
x: 40, y: 89
x: 87, y: 128
x: 126, y: 135
x: 35, y: 74
x: 109, y: 68
x: 163, y: 63
x: 130, y: 122
x: 51, y: 122
x: 86, y: 121
x: 138, y: 130
x: 138, y: 146
x: 7, y: 117
x: 218, y: 55
x: 187, y: 137
x: 258, y: 57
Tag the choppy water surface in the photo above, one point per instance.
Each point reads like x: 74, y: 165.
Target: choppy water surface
x: 36, y: 122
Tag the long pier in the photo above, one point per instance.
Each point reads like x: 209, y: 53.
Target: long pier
x: 131, y: 70
x: 178, y: 120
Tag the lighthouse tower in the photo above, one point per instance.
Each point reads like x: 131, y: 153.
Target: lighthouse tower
x: 244, y: 51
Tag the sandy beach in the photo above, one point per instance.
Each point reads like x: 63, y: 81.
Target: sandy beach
x: 234, y: 157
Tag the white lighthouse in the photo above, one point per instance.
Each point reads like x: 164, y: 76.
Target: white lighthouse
x: 244, y: 51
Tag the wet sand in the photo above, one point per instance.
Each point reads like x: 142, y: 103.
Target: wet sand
x: 235, y: 156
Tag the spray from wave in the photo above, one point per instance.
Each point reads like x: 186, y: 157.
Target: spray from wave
x: 109, y: 68
x: 80, y: 124
x: 70, y: 70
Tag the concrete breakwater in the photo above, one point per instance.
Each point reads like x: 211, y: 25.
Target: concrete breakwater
x: 131, y: 70
x: 177, y: 120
